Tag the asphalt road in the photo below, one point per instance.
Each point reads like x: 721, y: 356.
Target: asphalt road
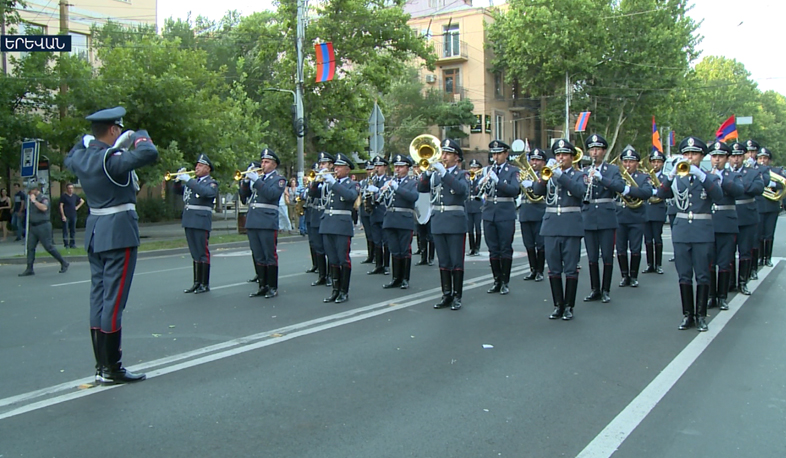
x: 385, y: 375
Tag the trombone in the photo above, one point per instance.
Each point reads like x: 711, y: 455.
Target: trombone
x: 240, y: 175
x: 172, y: 175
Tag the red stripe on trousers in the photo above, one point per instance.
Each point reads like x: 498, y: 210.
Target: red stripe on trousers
x: 119, y: 298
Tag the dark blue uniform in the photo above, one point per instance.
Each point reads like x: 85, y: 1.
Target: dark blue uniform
x: 630, y: 229
x: 531, y: 214
x: 725, y: 223
x: 499, y: 223
x: 337, y: 230
x: 747, y: 220
x: 562, y: 230
x: 107, y: 176
x: 399, y: 225
x: 366, y: 208
x: 474, y: 207
x: 381, y: 250
x: 768, y: 210
x: 653, y: 229
x: 199, y: 197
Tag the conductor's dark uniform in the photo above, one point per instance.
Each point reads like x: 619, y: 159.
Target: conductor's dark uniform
x: 107, y: 176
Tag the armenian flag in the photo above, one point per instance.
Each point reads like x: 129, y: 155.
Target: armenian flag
x: 326, y: 62
x: 656, y: 144
x: 581, y: 122
x: 727, y: 130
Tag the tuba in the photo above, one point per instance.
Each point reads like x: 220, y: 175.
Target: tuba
x: 645, y: 167
x: 425, y: 151
x: 631, y: 202
x: 775, y: 194
x: 526, y: 172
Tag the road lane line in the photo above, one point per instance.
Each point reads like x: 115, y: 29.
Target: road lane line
x: 237, y: 346
x: 614, y: 434
x: 135, y: 274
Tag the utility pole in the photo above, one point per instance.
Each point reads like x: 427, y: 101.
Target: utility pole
x: 63, y: 31
x: 300, y: 121
x: 567, y: 106
x: 2, y: 32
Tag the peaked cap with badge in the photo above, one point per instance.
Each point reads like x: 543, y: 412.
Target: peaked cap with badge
x: 203, y: 159
x: 451, y: 146
x: 498, y: 146
x: 268, y: 153
x: 596, y: 141
x: 369, y: 165
x: 692, y: 145
x: 111, y: 116
x: 562, y: 146
x: 474, y: 163
x: 538, y: 153
x: 380, y: 160
x: 325, y: 157
x: 343, y: 159
x: 400, y: 159
x: 752, y: 145
x: 738, y: 149
x: 720, y: 149
x: 630, y: 154
x: 763, y: 151
x: 657, y: 156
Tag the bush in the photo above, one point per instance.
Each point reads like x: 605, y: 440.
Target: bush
x: 153, y: 210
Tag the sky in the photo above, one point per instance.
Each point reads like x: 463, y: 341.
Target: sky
x: 749, y: 31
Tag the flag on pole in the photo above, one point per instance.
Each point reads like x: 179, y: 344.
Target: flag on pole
x: 656, y: 144
x: 727, y: 130
x: 671, y: 138
x: 326, y: 62
x: 581, y: 122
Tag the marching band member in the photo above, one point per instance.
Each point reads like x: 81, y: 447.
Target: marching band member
x: 724, y: 221
x: 244, y: 200
x: 499, y: 214
x: 337, y: 227
x: 426, y: 248
x: 562, y: 226
x: 199, y: 195
x: 263, y: 193
x: 449, y: 189
x: 365, y: 213
x: 399, y: 195
x: 473, y: 208
x: 599, y: 217
x: 381, y: 251
x: 747, y: 211
x: 630, y: 229
x: 768, y: 209
x: 656, y: 217
x: 693, y: 234
x: 752, y: 149
x: 531, y: 218
x: 317, y: 193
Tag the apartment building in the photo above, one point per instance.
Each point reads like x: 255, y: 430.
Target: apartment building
x: 456, y: 30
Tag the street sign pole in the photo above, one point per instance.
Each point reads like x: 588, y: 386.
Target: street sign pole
x: 376, y: 126
x: 28, y: 169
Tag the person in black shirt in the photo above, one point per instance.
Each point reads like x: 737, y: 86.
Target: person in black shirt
x: 69, y: 204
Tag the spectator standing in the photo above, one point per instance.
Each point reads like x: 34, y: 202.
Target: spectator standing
x: 18, y: 215
x: 5, y: 211
x: 290, y: 193
x: 69, y: 204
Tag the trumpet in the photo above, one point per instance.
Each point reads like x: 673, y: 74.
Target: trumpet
x: 547, y: 172
x: 683, y: 168
x: 240, y: 175
x: 172, y: 175
x: 319, y: 176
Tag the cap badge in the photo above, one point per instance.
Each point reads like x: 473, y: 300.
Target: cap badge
x: 690, y: 141
x: 594, y: 138
x: 562, y: 143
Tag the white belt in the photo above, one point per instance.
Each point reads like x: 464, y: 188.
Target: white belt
x: 559, y: 210
x: 331, y: 212
x: 503, y: 199
x: 604, y: 200
x: 690, y: 216
x: 724, y: 207
x: 258, y: 205
x: 401, y: 209
x: 199, y: 207
x: 746, y: 201
x: 447, y: 208
x: 112, y: 210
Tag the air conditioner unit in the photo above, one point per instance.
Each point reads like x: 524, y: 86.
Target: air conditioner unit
x: 431, y: 78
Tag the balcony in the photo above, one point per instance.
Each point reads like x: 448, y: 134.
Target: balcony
x: 450, y: 49
x: 523, y: 103
x: 457, y: 95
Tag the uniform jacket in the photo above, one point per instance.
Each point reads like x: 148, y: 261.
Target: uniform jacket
x: 530, y: 211
x: 753, y: 185
x: 567, y: 192
x: 724, y: 211
x: 500, y: 202
x: 317, y: 195
x: 401, y: 213
x: 366, y: 213
x: 378, y: 215
x: 265, y: 191
x: 603, y: 215
x: 766, y: 205
x: 627, y: 215
x: 199, y: 192
x: 448, y: 191
x: 341, y: 197
x: 698, y: 199
x: 106, y: 177
x: 656, y: 211
x: 474, y: 200
x: 36, y: 215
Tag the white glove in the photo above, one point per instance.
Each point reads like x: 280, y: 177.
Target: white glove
x: 493, y: 177
x: 183, y: 177
x: 440, y: 168
x: 750, y: 161
x: 598, y: 175
x: 372, y: 188
x: 557, y: 172
x: 330, y: 179
x: 626, y: 191
x: 124, y: 140
x: 87, y: 139
x: 252, y: 176
x: 551, y: 163
x: 654, y: 191
x: 771, y: 184
x: 394, y: 185
x: 250, y: 168
x: 181, y: 170
x: 527, y: 183
x: 697, y: 172
x: 325, y: 170
x: 673, y: 172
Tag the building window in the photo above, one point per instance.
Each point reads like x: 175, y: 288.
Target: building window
x: 26, y: 28
x: 499, y: 86
x: 451, y: 80
x: 452, y: 46
x: 436, y: 3
x: 499, y: 126
x: 79, y: 46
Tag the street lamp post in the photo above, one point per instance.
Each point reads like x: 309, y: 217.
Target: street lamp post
x: 299, y: 127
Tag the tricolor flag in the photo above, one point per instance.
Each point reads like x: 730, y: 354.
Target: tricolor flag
x: 326, y: 62
x: 671, y: 138
x: 727, y: 130
x: 656, y: 144
x: 581, y: 122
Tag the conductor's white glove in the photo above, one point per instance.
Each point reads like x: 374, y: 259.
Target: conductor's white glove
x: 124, y: 141
x: 87, y: 139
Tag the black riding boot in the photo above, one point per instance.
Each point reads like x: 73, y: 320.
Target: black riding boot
x: 98, y: 348
x: 335, y: 274
x: 196, y: 279
x: 29, y: 271
x: 505, y: 266
x: 557, y: 295
x: 496, y: 268
x: 379, y: 266
x: 768, y: 253
x: 723, y: 289
x: 314, y: 256
x: 686, y: 296
x: 753, y: 272
x: 762, y: 253
x: 323, y: 273
x: 406, y: 268
x: 541, y: 264
x: 713, y: 289
x: 256, y: 277
x: 204, y: 278
x: 397, y: 276
x: 623, y: 261
x: 457, y: 276
x: 532, y: 257
x: 659, y: 258
x: 605, y: 287
x: 733, y: 276
x: 445, y: 280
x: 370, y: 249
x: 471, y: 245
x: 432, y: 250
x: 386, y: 257
x: 635, y: 262
x: 419, y: 244
x: 571, y: 286
x: 272, y: 282
x: 594, y: 274
x: 113, y: 372
x: 745, y: 267
x: 262, y: 275
x: 650, y: 249
x: 702, y: 291
x: 343, y: 291
x: 423, y: 254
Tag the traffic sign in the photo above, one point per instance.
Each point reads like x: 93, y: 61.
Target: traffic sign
x: 376, y: 126
x: 29, y: 160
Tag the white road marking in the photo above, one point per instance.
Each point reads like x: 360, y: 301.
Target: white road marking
x: 614, y: 434
x: 135, y: 274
